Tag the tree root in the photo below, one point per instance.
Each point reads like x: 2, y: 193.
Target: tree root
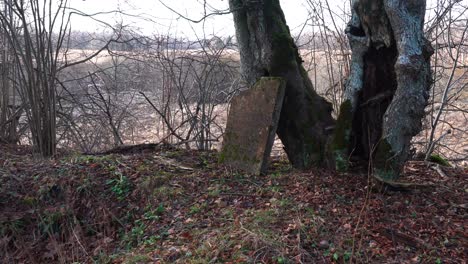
x: 402, y: 186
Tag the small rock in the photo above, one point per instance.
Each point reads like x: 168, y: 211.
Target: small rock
x: 449, y: 244
x: 324, y: 244
x: 173, y: 249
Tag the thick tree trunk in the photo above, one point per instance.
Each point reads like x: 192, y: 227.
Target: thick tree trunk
x: 267, y: 49
x: 387, y: 89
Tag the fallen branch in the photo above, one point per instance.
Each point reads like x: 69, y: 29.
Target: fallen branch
x: 172, y: 163
x: 133, y: 149
x: 402, y: 186
x: 408, y: 240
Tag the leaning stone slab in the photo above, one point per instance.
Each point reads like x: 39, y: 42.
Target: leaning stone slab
x: 251, y: 126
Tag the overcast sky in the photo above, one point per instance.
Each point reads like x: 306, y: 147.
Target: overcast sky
x: 154, y: 17
x: 157, y: 18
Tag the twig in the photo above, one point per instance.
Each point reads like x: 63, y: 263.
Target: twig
x: 439, y: 170
x: 217, y: 13
x: 79, y: 242
x: 397, y: 236
x: 239, y: 194
x: 434, y: 143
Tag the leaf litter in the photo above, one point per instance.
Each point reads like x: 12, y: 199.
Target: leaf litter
x: 180, y: 206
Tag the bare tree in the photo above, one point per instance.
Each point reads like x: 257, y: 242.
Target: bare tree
x: 37, y: 32
x: 447, y: 30
x: 10, y: 112
x: 327, y: 50
x: 196, y: 78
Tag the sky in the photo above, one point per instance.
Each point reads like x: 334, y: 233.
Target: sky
x: 151, y: 16
x: 156, y: 18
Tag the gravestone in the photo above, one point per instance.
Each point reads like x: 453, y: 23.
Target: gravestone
x: 251, y: 126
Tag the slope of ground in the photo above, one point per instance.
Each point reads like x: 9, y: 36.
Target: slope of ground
x: 176, y: 206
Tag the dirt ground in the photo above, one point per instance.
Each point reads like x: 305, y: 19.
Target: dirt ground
x: 164, y: 205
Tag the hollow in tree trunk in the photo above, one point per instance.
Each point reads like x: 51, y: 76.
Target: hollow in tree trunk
x: 387, y: 89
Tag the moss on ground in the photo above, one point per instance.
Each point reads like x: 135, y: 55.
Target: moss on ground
x: 439, y: 160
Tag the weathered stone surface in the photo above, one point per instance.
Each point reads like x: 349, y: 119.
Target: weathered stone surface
x: 251, y: 126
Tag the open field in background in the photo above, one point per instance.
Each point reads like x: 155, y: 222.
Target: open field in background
x: 119, y: 77
x: 140, y: 123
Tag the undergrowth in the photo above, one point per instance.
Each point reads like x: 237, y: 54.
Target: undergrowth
x: 180, y: 207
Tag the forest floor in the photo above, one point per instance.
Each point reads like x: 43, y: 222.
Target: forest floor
x: 178, y: 206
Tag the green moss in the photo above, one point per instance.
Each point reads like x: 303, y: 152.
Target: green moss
x: 341, y: 161
x: 229, y: 151
x: 30, y: 201
x: 314, y: 146
x: 138, y: 259
x: 234, y: 152
x: 343, y: 125
x: 439, y: 160
x: 341, y: 137
x: 283, y: 56
x: 284, y: 51
x: 385, y: 164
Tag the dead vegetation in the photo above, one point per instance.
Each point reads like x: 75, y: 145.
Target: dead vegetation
x: 168, y: 205
x: 163, y: 204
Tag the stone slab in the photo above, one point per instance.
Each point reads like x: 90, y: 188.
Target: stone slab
x: 251, y: 126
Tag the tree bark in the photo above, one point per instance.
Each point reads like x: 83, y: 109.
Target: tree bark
x: 267, y: 49
x: 387, y: 89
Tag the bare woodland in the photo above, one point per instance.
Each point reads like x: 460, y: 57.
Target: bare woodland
x: 92, y: 92
x: 88, y: 94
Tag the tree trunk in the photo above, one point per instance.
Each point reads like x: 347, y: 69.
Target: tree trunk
x: 267, y: 49
x: 388, y: 86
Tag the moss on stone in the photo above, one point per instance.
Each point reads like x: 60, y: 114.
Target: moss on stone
x: 229, y: 150
x: 234, y: 152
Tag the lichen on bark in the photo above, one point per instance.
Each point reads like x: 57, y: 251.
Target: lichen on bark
x: 389, y: 80
x: 403, y: 118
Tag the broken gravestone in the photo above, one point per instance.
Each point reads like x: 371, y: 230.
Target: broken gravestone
x: 251, y: 126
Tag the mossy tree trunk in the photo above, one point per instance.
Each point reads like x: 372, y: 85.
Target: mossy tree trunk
x: 267, y: 49
x: 387, y: 89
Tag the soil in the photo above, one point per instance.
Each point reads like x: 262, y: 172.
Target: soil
x: 167, y: 205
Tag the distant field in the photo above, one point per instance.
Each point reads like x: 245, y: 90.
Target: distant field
x: 149, y: 127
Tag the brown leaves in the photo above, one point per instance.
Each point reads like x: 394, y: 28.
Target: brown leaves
x: 212, y: 214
